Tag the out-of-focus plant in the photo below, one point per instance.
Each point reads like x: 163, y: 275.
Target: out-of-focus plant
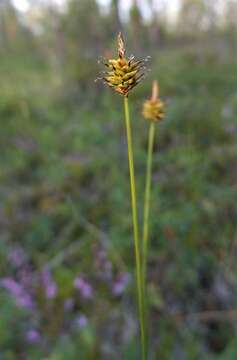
x: 153, y: 111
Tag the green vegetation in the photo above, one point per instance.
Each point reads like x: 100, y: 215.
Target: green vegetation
x: 64, y: 201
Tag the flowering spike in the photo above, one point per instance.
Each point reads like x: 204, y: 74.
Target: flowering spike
x: 153, y: 108
x: 123, y: 74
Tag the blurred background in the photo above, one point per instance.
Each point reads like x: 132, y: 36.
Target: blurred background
x: 66, y: 251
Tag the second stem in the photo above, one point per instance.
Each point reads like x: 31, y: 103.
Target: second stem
x: 136, y: 233
x: 145, y: 236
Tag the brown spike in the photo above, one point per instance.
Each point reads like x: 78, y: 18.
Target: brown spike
x: 121, y: 46
x: 155, y: 90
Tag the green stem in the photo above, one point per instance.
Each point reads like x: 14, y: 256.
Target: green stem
x: 147, y: 203
x: 135, y: 229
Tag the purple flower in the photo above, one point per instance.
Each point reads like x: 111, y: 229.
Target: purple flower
x: 81, y: 321
x: 84, y: 287
x: 104, y: 266
x: 49, y: 284
x: 105, y: 272
x: 21, y: 296
x: 108, y: 266
x: 101, y: 254
x: 26, y: 301
x: 12, y: 286
x: 68, y: 304
x: 120, y: 284
x: 33, y: 336
x: 16, y: 257
x: 25, y: 277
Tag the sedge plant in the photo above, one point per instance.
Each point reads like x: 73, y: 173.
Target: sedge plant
x: 122, y: 75
x: 153, y: 111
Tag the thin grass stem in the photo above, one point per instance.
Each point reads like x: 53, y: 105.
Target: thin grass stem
x: 145, y: 236
x: 140, y: 293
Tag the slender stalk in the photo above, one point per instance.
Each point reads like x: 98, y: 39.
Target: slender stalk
x: 147, y: 203
x: 135, y: 230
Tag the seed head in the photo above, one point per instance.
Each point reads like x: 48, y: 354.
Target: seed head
x: 153, y: 109
x: 123, y: 73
